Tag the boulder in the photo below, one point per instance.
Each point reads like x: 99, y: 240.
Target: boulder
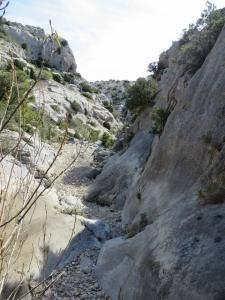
x: 98, y: 228
x: 120, y: 172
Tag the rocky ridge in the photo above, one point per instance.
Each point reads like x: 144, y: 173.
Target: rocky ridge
x: 36, y: 46
x: 62, y: 94
x: 115, y: 90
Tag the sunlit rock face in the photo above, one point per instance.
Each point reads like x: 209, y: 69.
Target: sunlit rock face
x: 34, y: 40
x: 178, y: 251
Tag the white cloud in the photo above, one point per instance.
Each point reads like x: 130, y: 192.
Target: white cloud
x: 116, y: 38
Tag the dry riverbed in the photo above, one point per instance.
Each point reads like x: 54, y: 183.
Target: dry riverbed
x: 77, y: 279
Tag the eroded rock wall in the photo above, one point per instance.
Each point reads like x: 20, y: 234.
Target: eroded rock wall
x: 36, y: 47
x: 179, y: 254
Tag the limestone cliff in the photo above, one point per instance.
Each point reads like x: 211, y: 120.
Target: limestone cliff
x: 174, y: 209
x: 33, y: 40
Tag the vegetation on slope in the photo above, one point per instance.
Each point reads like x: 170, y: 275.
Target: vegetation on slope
x: 141, y: 94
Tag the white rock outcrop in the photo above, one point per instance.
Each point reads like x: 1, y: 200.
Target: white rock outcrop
x: 37, y: 46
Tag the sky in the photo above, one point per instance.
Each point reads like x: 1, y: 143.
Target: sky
x: 112, y: 39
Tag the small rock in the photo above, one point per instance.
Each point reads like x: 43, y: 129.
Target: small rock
x: 100, y: 229
x: 86, y: 265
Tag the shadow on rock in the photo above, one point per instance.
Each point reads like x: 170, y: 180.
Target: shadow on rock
x: 94, y: 234
x: 79, y: 174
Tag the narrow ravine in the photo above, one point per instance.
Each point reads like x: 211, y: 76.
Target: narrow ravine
x: 78, y: 280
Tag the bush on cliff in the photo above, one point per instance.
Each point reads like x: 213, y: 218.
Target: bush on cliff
x: 46, y: 75
x: 85, y: 87
x: 108, y: 106
x: 107, y: 140
x: 159, y: 118
x: 26, y: 116
x: 141, y: 94
x: 199, y: 39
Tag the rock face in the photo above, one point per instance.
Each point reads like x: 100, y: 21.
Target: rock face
x: 61, y: 94
x: 118, y: 175
x: 115, y: 90
x: 58, y: 100
x: 179, y: 253
x: 36, y: 46
x: 60, y: 58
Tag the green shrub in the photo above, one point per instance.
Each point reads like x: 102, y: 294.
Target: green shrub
x: 87, y: 95
x: 5, y: 84
x: 141, y: 94
x: 107, y: 125
x: 75, y: 106
x: 33, y: 74
x: 49, y: 131
x: 159, y: 118
x: 19, y: 64
x: 197, y: 42
x: 156, y: 69
x: 108, y: 106
x: 77, y: 75
x: 62, y: 123
x: 3, y: 34
x: 30, y: 118
x: 46, y: 75
x: 77, y: 135
x: 22, y: 77
x: 93, y: 135
x: 57, y: 77
x: 6, y: 81
x: 107, y: 140
x: 6, y: 145
x: 24, y: 46
x: 85, y: 87
x: 68, y: 77
x: 84, y: 131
